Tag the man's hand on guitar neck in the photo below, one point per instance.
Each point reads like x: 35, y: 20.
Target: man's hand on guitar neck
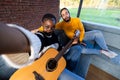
x: 76, y: 38
x: 76, y: 41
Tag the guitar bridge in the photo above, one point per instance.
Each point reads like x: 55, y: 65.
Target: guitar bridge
x: 38, y: 76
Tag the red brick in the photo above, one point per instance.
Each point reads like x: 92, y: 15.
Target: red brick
x: 27, y: 13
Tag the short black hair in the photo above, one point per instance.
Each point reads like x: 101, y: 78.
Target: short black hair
x: 64, y: 9
x: 49, y: 16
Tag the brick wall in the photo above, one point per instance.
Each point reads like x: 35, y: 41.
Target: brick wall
x: 27, y: 13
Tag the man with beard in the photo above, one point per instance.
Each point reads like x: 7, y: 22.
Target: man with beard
x: 81, y: 64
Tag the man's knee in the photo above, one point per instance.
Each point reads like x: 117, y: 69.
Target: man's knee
x: 97, y: 32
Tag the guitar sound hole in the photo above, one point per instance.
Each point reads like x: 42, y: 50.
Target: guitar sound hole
x: 51, y: 65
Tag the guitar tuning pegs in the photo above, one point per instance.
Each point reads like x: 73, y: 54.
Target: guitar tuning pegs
x: 77, y: 33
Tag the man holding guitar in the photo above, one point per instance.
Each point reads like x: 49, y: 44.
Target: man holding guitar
x: 23, y: 40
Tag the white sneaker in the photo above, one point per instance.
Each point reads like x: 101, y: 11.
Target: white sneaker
x: 109, y: 54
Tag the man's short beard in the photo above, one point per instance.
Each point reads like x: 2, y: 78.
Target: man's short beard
x: 67, y: 20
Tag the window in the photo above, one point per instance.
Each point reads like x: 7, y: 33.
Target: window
x: 99, y: 11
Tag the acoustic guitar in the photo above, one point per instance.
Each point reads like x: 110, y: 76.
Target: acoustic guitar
x: 48, y: 67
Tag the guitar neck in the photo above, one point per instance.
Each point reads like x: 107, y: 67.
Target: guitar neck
x: 61, y: 53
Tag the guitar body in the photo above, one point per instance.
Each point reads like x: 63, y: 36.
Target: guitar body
x: 39, y: 66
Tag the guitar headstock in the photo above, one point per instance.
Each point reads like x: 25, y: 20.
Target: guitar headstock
x: 77, y: 33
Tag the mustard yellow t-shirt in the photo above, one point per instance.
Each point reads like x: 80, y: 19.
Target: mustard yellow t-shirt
x: 70, y: 27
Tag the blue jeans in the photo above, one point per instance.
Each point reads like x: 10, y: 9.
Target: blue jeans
x: 80, y: 61
x: 77, y: 62
x: 95, y: 42
x: 97, y: 37
x: 67, y: 75
x: 72, y: 57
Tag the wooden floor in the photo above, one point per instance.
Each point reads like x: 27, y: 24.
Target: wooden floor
x: 95, y: 73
